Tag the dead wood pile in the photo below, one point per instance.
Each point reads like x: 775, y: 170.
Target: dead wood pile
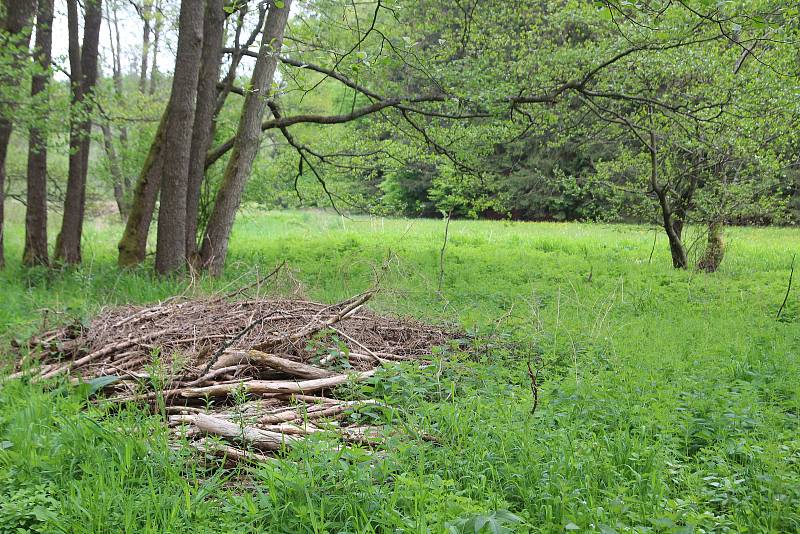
x: 256, y: 375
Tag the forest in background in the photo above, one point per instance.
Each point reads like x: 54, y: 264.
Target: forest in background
x: 673, y: 112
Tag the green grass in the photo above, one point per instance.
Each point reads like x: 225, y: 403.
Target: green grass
x: 670, y: 400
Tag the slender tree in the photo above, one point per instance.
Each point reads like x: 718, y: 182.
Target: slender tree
x: 203, y: 129
x: 35, y: 252
x: 16, y: 34
x: 171, y: 236
x: 83, y: 66
x: 247, y: 142
x: 146, y: 12
x: 157, y: 26
x: 133, y: 245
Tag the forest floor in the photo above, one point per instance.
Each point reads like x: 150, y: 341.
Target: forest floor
x: 669, y: 401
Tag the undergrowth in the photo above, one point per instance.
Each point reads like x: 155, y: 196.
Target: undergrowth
x: 669, y: 401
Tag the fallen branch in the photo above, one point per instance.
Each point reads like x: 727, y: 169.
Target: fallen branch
x: 788, y: 288
x: 256, y: 437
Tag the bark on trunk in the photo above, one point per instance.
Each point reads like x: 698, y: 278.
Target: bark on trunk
x: 35, y: 252
x: 171, y: 242
x: 133, y: 245
x: 68, y: 243
x: 15, y: 25
x: 674, y: 228
x: 203, y: 129
x: 248, y: 139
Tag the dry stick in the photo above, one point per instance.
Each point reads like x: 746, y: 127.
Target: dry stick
x: 655, y: 237
x: 534, y: 376
x: 273, y: 386
x: 320, y: 412
x: 441, y: 252
x: 105, y: 351
x: 349, y: 308
x: 788, y: 288
x: 355, y: 342
x: 215, y: 373
x: 228, y: 452
x: 289, y: 366
x: 258, y: 281
x: 233, y: 340
x: 258, y: 387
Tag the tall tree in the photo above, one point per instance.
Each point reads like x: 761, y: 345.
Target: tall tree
x: 171, y: 236
x: 146, y: 12
x: 120, y: 181
x: 16, y: 36
x: 158, y: 24
x: 35, y: 252
x: 83, y: 66
x: 203, y: 129
x: 247, y: 141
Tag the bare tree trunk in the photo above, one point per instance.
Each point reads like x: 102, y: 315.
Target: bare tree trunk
x: 156, y: 36
x: 120, y: 182
x: 203, y: 129
x: 116, y: 170
x: 15, y: 24
x: 133, y: 245
x: 68, y: 242
x: 35, y: 252
x: 248, y: 140
x: 146, y: 13
x: 171, y: 242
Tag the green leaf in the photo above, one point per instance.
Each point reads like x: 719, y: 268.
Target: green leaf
x: 96, y: 384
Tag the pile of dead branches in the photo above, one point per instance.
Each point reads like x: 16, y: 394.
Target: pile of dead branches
x: 258, y: 373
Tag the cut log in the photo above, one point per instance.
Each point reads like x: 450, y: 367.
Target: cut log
x: 271, y: 386
x: 256, y: 437
x: 288, y: 366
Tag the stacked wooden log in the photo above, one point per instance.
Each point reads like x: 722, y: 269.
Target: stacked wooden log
x: 258, y: 374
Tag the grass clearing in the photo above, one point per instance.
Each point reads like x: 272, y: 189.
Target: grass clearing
x: 669, y: 401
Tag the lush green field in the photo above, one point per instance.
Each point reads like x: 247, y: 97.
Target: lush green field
x: 670, y: 400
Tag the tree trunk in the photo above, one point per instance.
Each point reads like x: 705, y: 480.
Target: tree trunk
x: 146, y: 13
x: 156, y: 36
x: 18, y: 15
x: 248, y: 140
x: 171, y: 242
x: 68, y: 242
x: 133, y: 245
x: 120, y: 181
x: 203, y: 129
x: 35, y: 252
x: 116, y: 170
x: 715, y: 248
x: 674, y: 228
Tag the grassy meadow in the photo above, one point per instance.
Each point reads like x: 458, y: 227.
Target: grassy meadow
x: 669, y: 400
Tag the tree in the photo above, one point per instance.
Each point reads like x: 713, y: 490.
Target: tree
x: 83, y: 76
x: 205, y: 108
x: 35, y: 252
x: 16, y: 39
x: 247, y: 142
x: 171, y: 240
